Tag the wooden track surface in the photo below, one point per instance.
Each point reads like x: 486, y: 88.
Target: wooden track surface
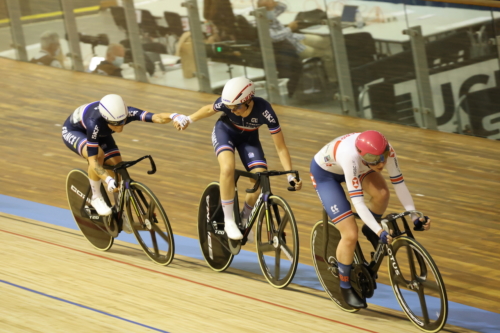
x: 454, y: 179
x: 83, y: 290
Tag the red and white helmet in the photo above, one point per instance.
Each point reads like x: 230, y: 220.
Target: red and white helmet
x: 373, y: 147
x: 238, y: 90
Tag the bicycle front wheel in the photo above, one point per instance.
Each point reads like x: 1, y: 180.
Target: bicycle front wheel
x: 327, y: 268
x: 277, y: 242
x: 417, y: 284
x: 150, y: 224
x: 94, y: 230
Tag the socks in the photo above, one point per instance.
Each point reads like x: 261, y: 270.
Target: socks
x: 246, y: 211
x: 96, y: 188
x: 344, y: 273
x: 228, y: 208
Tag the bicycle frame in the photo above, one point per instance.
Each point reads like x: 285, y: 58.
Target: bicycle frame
x: 262, y: 181
x: 123, y: 189
x: 389, y: 224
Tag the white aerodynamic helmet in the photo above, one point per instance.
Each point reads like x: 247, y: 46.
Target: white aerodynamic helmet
x: 237, y: 91
x: 113, y: 109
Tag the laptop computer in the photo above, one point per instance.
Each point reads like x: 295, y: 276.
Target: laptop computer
x: 348, y: 17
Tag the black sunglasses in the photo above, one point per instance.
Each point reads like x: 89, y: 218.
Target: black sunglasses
x: 117, y: 123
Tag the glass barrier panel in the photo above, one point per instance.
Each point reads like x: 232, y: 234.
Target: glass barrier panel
x: 104, y: 42
x: 44, y: 33
x: 377, y: 52
x: 463, y: 67
x: 6, y: 44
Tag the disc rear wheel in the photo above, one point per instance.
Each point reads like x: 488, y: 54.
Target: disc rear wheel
x: 327, y: 268
x: 214, y: 243
x: 88, y: 221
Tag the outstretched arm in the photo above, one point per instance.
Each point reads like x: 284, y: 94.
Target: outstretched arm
x: 204, y: 112
x: 161, y: 118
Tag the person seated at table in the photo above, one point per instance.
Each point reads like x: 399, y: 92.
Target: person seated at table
x: 50, y: 50
x: 111, y: 65
x: 306, y: 45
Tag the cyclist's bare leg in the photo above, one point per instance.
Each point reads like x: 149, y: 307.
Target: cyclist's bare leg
x: 100, y: 160
x: 96, y: 174
x: 374, y: 184
x: 226, y: 179
x: 250, y: 198
x: 349, y: 232
x: 345, y: 256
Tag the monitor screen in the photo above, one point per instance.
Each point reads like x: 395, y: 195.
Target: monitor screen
x: 349, y: 13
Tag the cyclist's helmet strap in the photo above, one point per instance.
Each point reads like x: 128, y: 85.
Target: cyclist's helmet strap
x: 371, y: 146
x: 113, y: 108
x: 238, y: 90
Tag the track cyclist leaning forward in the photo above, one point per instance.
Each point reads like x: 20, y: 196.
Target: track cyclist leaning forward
x: 358, y: 160
x: 237, y: 128
x: 88, y: 132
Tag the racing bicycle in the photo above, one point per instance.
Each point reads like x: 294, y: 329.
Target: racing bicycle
x: 276, y: 239
x: 414, y: 276
x: 137, y: 207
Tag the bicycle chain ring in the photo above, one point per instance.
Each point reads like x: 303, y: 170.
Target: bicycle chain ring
x: 333, y: 267
x: 362, y: 281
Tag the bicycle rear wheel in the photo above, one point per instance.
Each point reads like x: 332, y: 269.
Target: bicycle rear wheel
x: 417, y: 284
x: 213, y: 240
x: 327, y: 269
x: 94, y: 230
x: 278, y: 243
x: 150, y: 224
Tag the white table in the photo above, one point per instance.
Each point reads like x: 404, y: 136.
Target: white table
x: 433, y: 20
x: 218, y: 76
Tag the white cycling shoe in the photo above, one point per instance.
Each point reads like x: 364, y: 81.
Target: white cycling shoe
x: 232, y: 230
x: 101, y: 206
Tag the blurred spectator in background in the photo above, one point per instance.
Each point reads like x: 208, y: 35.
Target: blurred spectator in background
x: 50, y: 50
x: 306, y: 45
x: 114, y: 59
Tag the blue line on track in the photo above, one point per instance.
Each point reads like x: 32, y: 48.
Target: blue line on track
x: 459, y: 314
x: 82, y: 306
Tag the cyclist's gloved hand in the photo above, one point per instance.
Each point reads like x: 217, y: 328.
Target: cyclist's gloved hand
x: 111, y: 184
x: 297, y: 184
x: 421, y: 223
x: 385, y: 237
x: 181, y: 120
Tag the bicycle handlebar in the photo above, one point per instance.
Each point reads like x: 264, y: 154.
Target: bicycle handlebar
x: 128, y: 164
x: 271, y: 173
x: 386, y: 220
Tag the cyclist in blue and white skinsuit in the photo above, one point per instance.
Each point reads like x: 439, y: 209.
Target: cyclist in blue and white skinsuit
x: 237, y: 128
x: 88, y: 132
x: 358, y: 160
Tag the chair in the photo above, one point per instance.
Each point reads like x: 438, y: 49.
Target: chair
x: 174, y: 29
x: 118, y: 14
x: 174, y: 23
x: 361, y: 49
x: 148, y: 25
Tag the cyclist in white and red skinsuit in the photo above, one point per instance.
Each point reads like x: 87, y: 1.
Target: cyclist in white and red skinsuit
x: 358, y: 159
